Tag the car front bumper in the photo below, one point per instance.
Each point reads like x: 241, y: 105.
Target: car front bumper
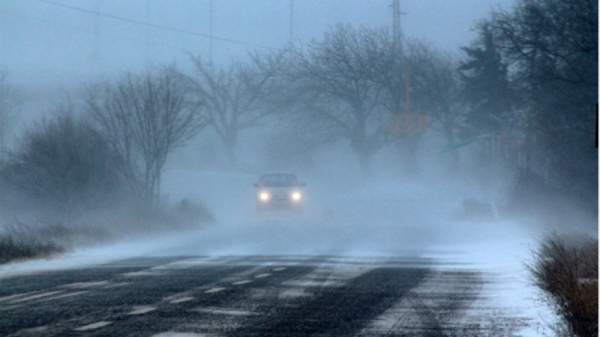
x: 275, y: 204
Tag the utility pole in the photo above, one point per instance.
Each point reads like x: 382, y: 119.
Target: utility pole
x: 95, y: 55
x: 291, y: 28
x: 148, y: 49
x: 396, y: 26
x: 399, y: 49
x: 410, y: 121
x: 210, y: 31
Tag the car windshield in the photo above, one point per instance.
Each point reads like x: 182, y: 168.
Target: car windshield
x: 278, y: 179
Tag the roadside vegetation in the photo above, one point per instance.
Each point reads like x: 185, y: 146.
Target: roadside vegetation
x: 91, y: 173
x: 20, y: 242
x: 566, y: 270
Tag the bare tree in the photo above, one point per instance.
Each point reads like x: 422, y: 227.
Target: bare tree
x: 235, y: 97
x: 339, y: 79
x: 63, y: 166
x: 551, y: 51
x: 145, y: 117
x: 8, y: 102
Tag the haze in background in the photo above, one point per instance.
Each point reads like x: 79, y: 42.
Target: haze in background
x: 47, y: 46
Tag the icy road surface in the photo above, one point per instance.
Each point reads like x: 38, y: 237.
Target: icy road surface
x: 386, y: 260
x: 259, y: 296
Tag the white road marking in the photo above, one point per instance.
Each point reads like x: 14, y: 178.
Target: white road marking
x: 93, y: 326
x: 15, y: 296
x: 84, y: 285
x: 190, y: 262
x: 310, y: 283
x: 35, y: 330
x: 116, y: 285
x: 214, y: 290
x: 328, y: 276
x: 263, y: 275
x: 181, y: 300
x: 176, y: 296
x: 57, y: 297
x: 279, y: 269
x: 36, y: 296
x: 181, y: 334
x: 224, y: 311
x: 241, y: 282
x: 140, y: 310
x: 243, y: 274
x: 147, y: 272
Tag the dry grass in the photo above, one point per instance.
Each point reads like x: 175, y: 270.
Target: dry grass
x: 22, y: 242
x: 566, y: 269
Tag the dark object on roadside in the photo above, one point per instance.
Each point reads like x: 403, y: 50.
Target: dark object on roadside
x: 279, y: 191
x: 567, y: 272
x: 23, y: 242
x: 190, y: 213
x: 65, y: 168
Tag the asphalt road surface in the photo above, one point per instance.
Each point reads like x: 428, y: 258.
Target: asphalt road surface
x: 255, y: 296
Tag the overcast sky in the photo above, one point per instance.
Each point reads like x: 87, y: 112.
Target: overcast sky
x: 45, y: 44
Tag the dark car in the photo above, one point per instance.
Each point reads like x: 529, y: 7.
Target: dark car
x: 279, y: 191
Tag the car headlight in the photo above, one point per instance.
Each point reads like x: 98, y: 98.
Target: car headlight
x: 296, y: 196
x: 264, y: 196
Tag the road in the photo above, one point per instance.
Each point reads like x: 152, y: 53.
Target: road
x: 364, y: 261
x: 187, y: 296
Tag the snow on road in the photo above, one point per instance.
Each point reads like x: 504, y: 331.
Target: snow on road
x: 375, y: 220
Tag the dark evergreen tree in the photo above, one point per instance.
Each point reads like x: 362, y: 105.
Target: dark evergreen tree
x: 486, y: 87
x: 552, y: 49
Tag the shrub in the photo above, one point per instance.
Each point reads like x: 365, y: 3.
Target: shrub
x: 66, y: 166
x: 23, y: 242
x: 567, y: 271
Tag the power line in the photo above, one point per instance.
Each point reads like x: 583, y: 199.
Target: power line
x: 397, y: 26
x: 291, y: 23
x: 96, y: 41
x: 149, y: 24
x: 210, y: 30
x: 77, y: 29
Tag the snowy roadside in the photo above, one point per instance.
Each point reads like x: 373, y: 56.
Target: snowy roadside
x: 392, y: 219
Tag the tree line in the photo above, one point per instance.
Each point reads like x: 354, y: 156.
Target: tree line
x: 523, y: 94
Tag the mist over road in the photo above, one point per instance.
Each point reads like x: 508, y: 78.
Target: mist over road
x: 376, y: 260
x: 298, y: 168
x: 256, y: 296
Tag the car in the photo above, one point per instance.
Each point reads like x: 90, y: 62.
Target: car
x: 279, y: 191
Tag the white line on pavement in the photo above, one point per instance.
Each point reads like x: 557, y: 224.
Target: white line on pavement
x: 224, y: 311
x: 241, y: 282
x: 93, y: 326
x: 36, y: 296
x: 181, y: 300
x: 140, y: 310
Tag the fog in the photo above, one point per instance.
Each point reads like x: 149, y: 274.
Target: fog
x: 50, y: 50
x: 416, y: 195
x: 49, y: 46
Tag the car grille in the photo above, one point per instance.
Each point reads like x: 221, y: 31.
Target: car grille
x: 280, y: 198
